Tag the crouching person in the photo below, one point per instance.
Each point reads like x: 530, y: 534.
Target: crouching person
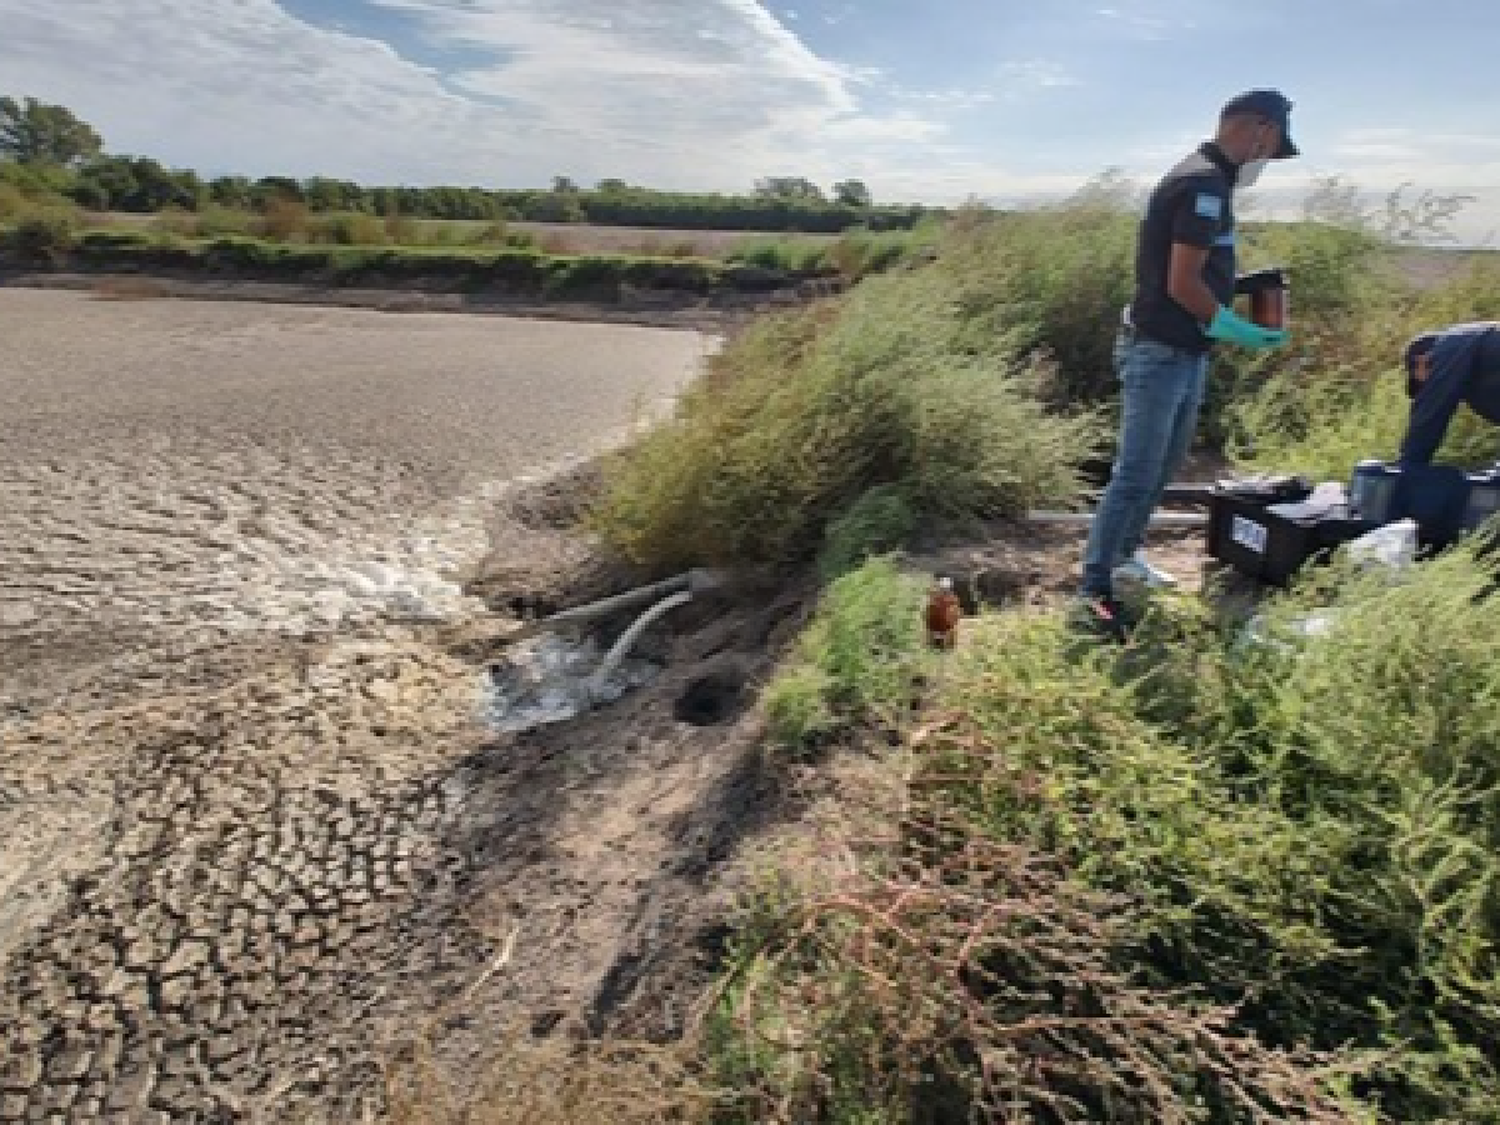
x: 1446, y: 367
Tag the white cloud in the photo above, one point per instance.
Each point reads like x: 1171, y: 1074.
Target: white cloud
x: 1015, y: 80
x: 673, y: 93
x: 1025, y: 76
x: 1377, y: 161
x: 1148, y: 21
x: 692, y: 93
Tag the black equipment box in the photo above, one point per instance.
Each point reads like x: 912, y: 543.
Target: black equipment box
x: 1270, y: 547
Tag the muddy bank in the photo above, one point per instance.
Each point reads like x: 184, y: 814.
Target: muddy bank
x: 238, y: 898
x: 718, y: 311
x: 240, y: 699
x: 242, y: 899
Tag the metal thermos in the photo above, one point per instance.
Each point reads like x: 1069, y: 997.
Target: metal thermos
x: 1483, y: 503
x: 1372, y: 491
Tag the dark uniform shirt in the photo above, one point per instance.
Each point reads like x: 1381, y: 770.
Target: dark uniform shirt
x: 1193, y: 204
x: 1465, y: 367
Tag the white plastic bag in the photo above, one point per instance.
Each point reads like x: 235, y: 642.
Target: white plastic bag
x: 1308, y: 627
x: 1393, y: 546
x: 1323, y: 499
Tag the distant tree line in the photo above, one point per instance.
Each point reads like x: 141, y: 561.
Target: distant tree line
x: 45, y: 148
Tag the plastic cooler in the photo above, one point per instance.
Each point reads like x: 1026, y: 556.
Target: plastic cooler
x: 1268, y: 547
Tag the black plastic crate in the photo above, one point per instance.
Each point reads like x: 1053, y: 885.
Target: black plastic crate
x: 1269, y: 547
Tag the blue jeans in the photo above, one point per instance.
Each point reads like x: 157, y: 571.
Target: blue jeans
x: 1163, y: 389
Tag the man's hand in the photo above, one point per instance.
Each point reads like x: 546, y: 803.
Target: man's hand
x: 1233, y: 329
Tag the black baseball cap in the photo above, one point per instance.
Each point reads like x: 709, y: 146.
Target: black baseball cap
x: 1267, y: 103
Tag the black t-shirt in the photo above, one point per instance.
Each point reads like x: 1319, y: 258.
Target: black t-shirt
x: 1193, y: 204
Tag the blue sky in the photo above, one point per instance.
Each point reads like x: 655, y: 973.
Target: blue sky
x: 934, y: 101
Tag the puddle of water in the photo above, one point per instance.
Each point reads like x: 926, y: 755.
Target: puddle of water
x: 548, y: 679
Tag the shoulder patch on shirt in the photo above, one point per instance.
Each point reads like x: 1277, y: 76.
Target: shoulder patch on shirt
x: 1208, y: 206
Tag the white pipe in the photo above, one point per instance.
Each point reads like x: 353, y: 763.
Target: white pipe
x: 605, y: 606
x: 617, y: 653
x: 1083, y: 519
x: 696, y: 581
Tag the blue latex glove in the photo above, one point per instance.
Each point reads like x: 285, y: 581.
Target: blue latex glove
x: 1233, y: 329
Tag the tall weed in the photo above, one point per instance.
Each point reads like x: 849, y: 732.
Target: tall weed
x: 806, y: 412
x: 1308, y: 827
x: 1054, y: 280
x: 858, y: 663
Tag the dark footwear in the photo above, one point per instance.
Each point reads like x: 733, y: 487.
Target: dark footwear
x: 1100, y: 615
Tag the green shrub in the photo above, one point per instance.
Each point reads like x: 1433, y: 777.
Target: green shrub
x: 284, y: 220
x: 807, y: 411
x: 14, y: 203
x: 44, y: 238
x: 30, y: 191
x: 858, y: 661
x: 952, y: 979
x: 348, y: 230
x: 1309, y: 827
x: 1296, y: 839
x: 790, y: 255
x: 880, y: 521
x: 1057, y: 280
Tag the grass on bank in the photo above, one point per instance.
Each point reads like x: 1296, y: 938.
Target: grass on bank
x: 852, y: 255
x: 1195, y: 880
x: 42, y: 241
x: 922, y: 393
x: 35, y: 229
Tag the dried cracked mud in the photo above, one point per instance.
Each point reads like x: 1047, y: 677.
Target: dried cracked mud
x: 253, y: 832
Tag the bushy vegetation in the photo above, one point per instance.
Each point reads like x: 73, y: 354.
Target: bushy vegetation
x: 853, y: 255
x: 38, y: 135
x: 1002, y: 344
x: 856, y: 665
x: 43, y: 237
x: 1055, y: 280
x: 477, y: 267
x: 891, y: 387
x: 1203, y: 878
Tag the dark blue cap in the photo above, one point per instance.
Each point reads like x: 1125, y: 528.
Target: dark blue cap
x: 1272, y: 104
x: 1416, y: 348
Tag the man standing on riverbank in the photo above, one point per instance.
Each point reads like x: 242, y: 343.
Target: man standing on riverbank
x: 1184, y: 287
